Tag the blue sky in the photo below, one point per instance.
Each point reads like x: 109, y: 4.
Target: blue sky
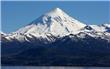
x: 18, y: 14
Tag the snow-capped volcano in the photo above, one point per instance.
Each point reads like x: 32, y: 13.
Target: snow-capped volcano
x: 56, y: 22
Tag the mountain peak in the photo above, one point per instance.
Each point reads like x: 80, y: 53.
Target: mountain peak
x: 57, y: 10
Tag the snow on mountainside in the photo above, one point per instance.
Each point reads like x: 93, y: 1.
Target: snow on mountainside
x: 101, y: 28
x: 57, y: 23
x: 2, y: 33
